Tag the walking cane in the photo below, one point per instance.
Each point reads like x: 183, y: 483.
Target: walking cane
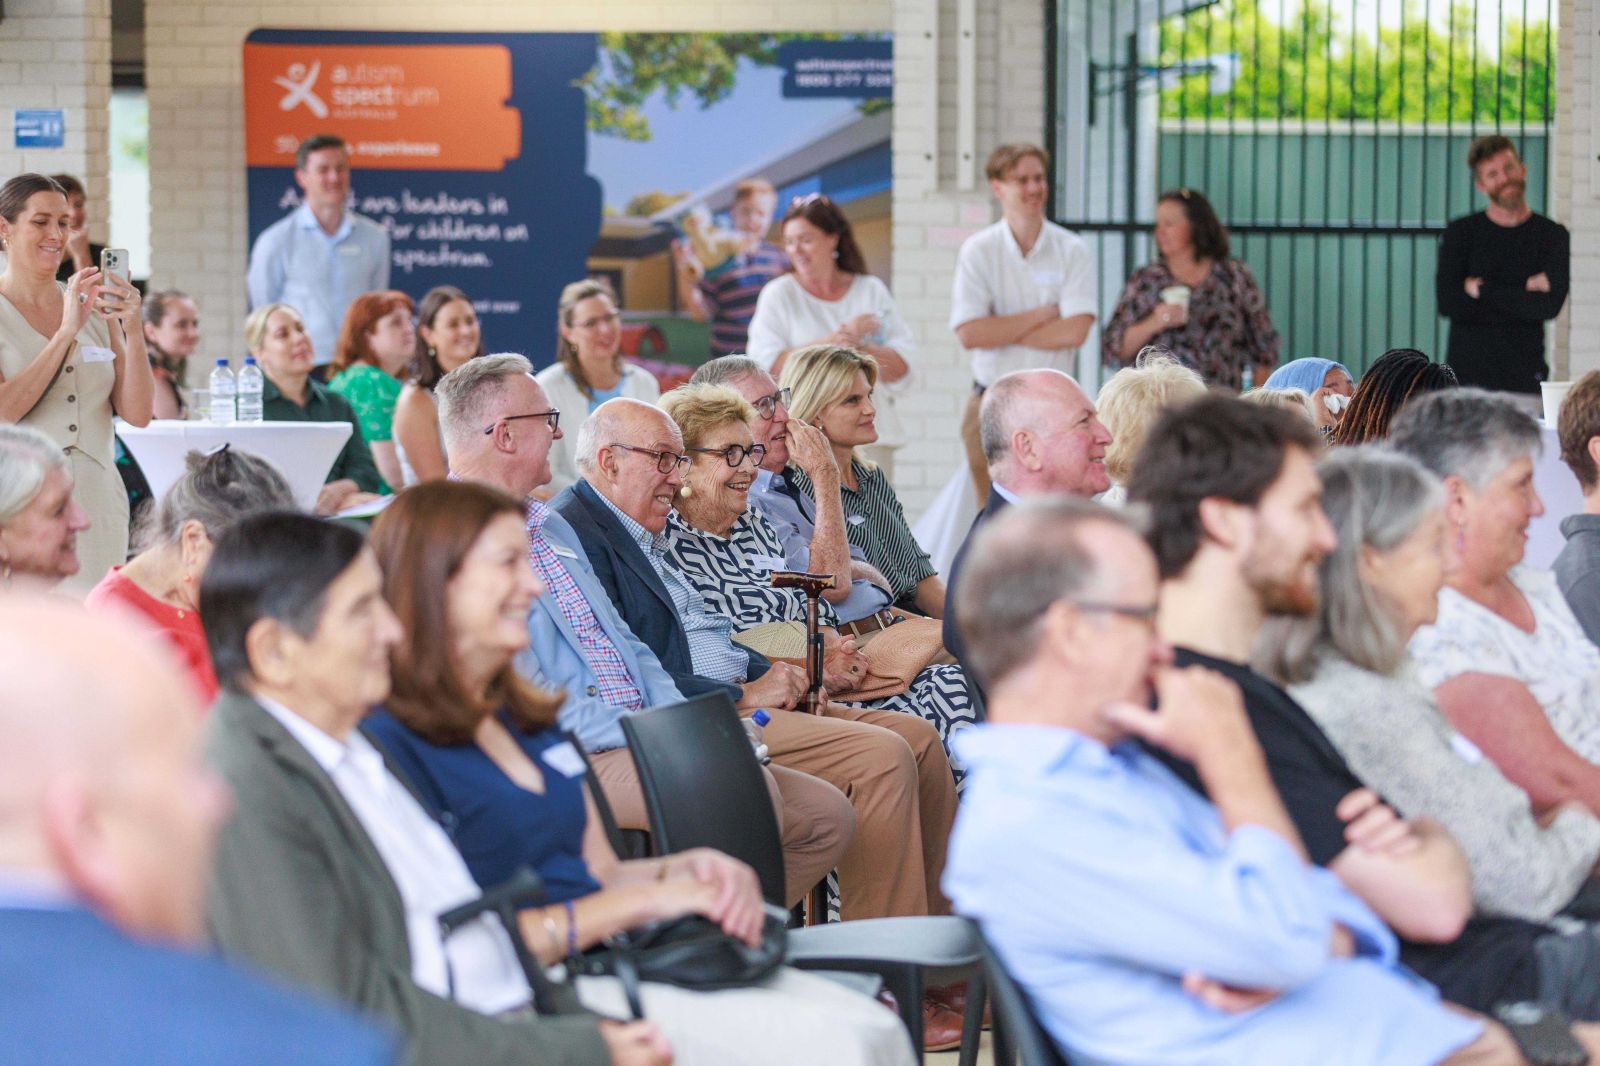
x: 812, y: 585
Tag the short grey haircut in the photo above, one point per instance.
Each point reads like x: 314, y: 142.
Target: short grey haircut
x: 1003, y: 408
x: 1025, y: 559
x: 1465, y: 433
x: 604, y: 424
x: 466, y: 393
x: 216, y: 489
x: 726, y: 370
x: 1374, y: 497
x: 26, y: 456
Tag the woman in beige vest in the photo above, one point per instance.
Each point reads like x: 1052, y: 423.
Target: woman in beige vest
x: 71, y: 357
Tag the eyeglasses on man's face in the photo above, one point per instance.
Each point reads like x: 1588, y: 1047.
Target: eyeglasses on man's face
x: 734, y: 454
x: 665, y: 461
x: 1145, y: 613
x: 552, y: 419
x: 767, y: 406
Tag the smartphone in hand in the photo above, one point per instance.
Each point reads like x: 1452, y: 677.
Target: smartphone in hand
x: 113, y: 261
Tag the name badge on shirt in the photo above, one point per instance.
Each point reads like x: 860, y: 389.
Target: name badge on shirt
x: 92, y: 354
x: 350, y: 249
x: 564, y: 759
x: 565, y: 553
x: 1465, y: 748
x: 769, y: 562
x: 856, y: 519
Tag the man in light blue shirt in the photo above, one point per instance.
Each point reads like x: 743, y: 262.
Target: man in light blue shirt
x: 321, y: 256
x: 1146, y: 924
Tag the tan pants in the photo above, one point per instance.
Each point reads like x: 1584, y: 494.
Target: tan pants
x: 972, y: 442
x: 815, y: 819
x: 897, y: 776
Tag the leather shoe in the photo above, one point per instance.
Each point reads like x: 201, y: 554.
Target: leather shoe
x: 955, y: 997
x: 941, y: 1027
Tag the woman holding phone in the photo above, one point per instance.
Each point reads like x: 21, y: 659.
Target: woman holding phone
x: 72, y: 356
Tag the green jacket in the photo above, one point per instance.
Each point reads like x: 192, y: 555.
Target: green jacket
x: 324, y: 405
x: 299, y: 888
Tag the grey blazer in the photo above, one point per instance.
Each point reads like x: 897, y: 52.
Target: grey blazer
x: 299, y: 888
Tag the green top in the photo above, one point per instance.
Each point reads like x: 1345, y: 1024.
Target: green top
x: 355, y: 460
x: 373, y: 394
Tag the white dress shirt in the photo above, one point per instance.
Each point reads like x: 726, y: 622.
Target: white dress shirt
x: 478, y: 967
x: 993, y: 277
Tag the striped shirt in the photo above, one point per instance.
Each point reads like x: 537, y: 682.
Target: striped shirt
x: 732, y: 293
x: 613, y: 683
x: 875, y: 522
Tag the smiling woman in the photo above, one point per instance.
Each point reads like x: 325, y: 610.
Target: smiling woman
x: 71, y: 358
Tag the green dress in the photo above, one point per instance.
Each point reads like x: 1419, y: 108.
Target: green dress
x: 373, y: 394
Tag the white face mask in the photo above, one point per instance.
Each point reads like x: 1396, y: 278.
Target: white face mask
x: 1335, y: 402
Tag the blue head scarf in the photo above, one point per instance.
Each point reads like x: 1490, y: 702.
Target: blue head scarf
x: 1307, y: 374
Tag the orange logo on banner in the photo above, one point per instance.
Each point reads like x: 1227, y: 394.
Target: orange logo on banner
x: 401, y: 107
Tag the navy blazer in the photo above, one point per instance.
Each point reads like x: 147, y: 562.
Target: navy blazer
x: 952, y: 632
x: 640, y: 597
x: 73, y: 990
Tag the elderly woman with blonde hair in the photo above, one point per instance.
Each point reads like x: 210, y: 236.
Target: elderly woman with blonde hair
x: 1131, y: 401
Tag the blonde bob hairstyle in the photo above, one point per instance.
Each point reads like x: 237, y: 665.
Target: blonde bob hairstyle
x: 1134, y: 397
x: 255, y: 327
x: 701, y: 409
x: 822, y: 375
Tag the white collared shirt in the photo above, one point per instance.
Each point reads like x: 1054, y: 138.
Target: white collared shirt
x: 427, y: 869
x: 993, y: 277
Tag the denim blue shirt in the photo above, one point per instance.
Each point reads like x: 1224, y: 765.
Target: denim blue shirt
x: 710, y: 636
x: 1101, y: 879
x: 295, y: 262
x: 796, y: 523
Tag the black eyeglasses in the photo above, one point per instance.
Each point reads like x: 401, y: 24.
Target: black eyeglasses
x: 767, y: 406
x: 665, y: 461
x: 735, y: 454
x: 552, y: 418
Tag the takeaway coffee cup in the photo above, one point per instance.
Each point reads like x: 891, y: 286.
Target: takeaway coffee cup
x: 1176, y: 294
x: 1554, y: 392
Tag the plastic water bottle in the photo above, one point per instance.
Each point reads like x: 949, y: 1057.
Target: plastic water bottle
x: 223, y: 390
x: 881, y: 334
x: 250, y: 386
x: 752, y: 728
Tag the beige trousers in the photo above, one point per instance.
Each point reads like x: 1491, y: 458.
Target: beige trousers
x: 815, y: 819
x: 897, y: 776
x: 972, y: 444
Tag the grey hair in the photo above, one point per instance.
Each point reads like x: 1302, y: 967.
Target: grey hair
x: 26, y: 456
x: 1027, y: 558
x: 1465, y: 433
x: 1004, y: 406
x: 466, y: 392
x: 1374, y: 498
x: 605, y: 422
x: 726, y: 370
x: 216, y: 489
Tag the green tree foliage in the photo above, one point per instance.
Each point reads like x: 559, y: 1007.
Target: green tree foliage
x: 701, y: 66
x: 1306, y: 63
x: 648, y: 203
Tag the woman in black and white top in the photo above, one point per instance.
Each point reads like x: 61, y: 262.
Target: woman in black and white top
x: 832, y: 388
x: 727, y: 549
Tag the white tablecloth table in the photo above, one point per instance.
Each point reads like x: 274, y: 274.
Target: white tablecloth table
x: 303, y: 452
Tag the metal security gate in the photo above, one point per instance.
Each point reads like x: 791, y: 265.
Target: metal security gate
x: 1331, y: 140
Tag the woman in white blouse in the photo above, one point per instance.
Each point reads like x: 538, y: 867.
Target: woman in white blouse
x: 829, y: 298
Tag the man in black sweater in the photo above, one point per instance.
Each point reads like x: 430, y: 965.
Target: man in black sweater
x: 1503, y: 272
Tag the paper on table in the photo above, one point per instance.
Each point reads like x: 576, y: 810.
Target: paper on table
x: 365, y: 510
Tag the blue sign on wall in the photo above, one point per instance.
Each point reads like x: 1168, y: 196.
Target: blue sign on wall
x: 40, y: 128
x: 854, y: 69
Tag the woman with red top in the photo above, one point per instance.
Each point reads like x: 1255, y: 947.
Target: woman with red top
x: 162, y: 582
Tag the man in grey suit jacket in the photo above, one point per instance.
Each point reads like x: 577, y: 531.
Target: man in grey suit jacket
x: 330, y: 872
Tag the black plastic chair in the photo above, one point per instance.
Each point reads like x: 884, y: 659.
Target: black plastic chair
x: 703, y: 788
x: 1016, y: 1029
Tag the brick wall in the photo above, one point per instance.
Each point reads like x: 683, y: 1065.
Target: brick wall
x: 1577, y: 188
x: 197, y: 186
x: 57, y: 54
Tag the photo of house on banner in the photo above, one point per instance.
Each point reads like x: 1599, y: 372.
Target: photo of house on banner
x: 686, y: 155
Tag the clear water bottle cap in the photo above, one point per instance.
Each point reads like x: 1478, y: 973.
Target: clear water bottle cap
x: 761, y: 718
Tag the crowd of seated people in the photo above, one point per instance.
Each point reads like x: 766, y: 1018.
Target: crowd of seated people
x: 1239, y: 726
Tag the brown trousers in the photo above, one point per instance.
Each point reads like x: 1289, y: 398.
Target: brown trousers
x: 815, y: 819
x: 897, y: 776
x: 972, y: 444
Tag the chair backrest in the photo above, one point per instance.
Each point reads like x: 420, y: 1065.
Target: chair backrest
x: 703, y: 786
x: 1015, y: 1018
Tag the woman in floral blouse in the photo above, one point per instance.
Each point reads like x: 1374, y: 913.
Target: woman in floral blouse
x: 1194, y: 300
